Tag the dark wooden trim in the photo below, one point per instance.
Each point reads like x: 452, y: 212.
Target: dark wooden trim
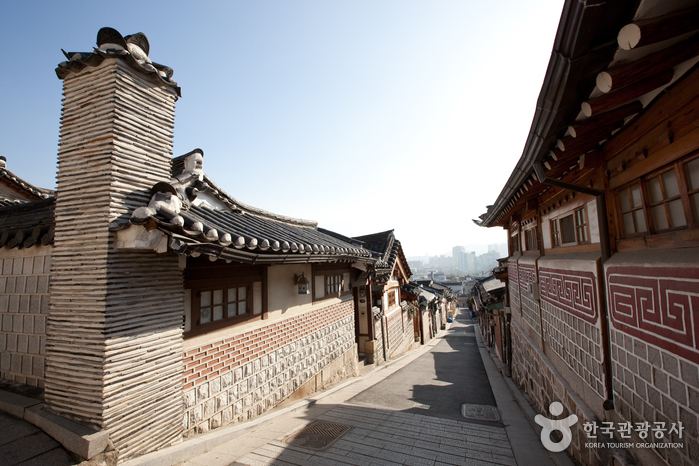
x: 265, y: 293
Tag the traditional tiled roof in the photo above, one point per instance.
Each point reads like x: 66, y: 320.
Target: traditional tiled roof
x: 134, y: 49
x: 27, y: 224
x: 201, y: 218
x: 26, y: 212
x: 27, y: 192
x: 387, y: 249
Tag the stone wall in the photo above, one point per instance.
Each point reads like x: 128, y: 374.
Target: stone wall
x: 533, y: 372
x: 401, y: 334
x: 241, y: 377
x: 653, y: 303
x: 379, y: 342
x: 24, y: 307
x: 577, y: 343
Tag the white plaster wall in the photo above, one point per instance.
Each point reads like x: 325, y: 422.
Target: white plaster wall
x: 594, y: 221
x: 284, y: 299
x: 546, y: 233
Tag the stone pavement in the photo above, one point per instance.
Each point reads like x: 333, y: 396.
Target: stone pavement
x: 380, y: 436
x: 23, y: 444
x: 402, y: 412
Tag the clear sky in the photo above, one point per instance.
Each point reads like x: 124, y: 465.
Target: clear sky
x: 361, y: 115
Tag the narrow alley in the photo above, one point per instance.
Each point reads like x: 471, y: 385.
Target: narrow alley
x: 443, y: 404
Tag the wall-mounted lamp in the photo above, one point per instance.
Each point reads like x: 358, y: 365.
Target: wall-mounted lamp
x: 302, y: 283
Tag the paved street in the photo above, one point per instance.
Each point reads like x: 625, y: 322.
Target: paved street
x: 22, y: 444
x: 406, y: 412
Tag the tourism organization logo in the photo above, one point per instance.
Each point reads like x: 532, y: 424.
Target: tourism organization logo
x: 551, y: 425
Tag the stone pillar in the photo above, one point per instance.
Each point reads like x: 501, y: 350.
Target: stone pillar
x: 114, y: 337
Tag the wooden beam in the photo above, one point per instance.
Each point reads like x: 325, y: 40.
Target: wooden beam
x: 652, y: 30
x: 592, y: 125
x: 625, y: 75
x: 612, y: 100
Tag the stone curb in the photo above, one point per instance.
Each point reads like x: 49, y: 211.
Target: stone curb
x: 76, y: 438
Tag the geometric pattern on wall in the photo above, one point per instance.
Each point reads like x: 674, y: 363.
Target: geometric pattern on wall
x: 575, y: 292
x: 512, y: 272
x: 659, y: 305
x: 526, y: 275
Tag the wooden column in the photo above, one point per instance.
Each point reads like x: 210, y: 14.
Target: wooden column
x: 114, y: 337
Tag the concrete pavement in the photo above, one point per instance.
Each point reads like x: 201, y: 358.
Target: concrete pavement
x: 405, y: 412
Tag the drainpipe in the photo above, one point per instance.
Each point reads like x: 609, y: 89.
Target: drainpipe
x: 601, y: 202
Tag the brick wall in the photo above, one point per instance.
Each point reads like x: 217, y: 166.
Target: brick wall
x: 24, y: 300
x: 241, y: 377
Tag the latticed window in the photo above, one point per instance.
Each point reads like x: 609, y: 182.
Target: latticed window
x: 555, y: 233
x: 631, y: 205
x: 333, y: 284
x: 581, y: 226
x: 391, y: 298
x: 531, y: 239
x: 665, y: 200
x: 570, y: 229
x: 215, y: 305
x: 692, y: 170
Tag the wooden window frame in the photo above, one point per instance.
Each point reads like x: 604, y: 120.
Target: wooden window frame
x: 682, y: 177
x: 579, y: 228
x: 198, y: 286
x: 391, y: 297
x: 582, y: 225
x: 555, y: 234
x: 694, y: 220
x: 330, y: 270
x: 531, y: 239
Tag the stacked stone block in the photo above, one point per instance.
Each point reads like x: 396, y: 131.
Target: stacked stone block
x: 379, y: 341
x: 652, y: 384
x: 241, y: 377
x: 24, y: 306
x: 539, y: 379
x: 515, y: 305
x: 401, y: 334
x: 577, y: 342
x: 531, y: 313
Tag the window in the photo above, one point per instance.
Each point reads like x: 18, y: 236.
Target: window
x: 333, y: 284
x: 220, y: 303
x: 531, y: 239
x: 692, y: 170
x: 570, y: 229
x: 555, y: 234
x: 665, y: 200
x: 581, y: 226
x: 515, y: 243
x: 217, y: 305
x: 391, y: 298
x: 631, y: 204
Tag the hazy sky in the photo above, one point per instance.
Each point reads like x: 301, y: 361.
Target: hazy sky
x: 364, y: 116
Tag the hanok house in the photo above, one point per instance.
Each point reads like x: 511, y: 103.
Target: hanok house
x: 388, y: 330
x: 602, y: 211
x: 174, y: 308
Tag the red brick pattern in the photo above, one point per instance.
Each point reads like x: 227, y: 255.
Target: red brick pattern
x: 658, y: 305
x: 573, y: 291
x: 512, y: 272
x: 208, y: 361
